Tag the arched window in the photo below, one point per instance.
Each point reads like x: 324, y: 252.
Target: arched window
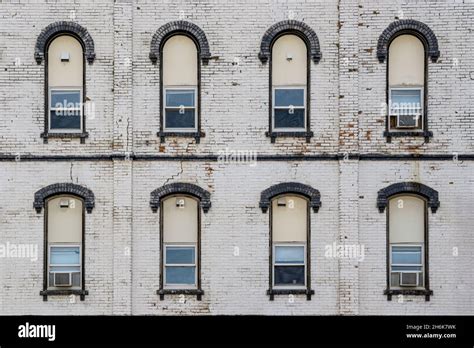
x: 289, y: 46
x: 407, y: 237
x: 406, y: 76
x: 180, y: 84
x: 65, y: 85
x: 65, y: 221
x: 290, y: 237
x: 65, y: 47
x: 180, y: 237
x: 289, y: 84
x: 64, y: 206
x: 407, y: 44
x: 180, y: 46
x: 407, y: 241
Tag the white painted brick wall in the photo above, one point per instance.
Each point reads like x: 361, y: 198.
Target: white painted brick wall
x: 347, y: 91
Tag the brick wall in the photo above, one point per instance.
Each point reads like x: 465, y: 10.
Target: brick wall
x: 347, y: 98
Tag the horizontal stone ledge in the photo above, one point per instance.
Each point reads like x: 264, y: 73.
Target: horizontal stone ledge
x: 264, y: 157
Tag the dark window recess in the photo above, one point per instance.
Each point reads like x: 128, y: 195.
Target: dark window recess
x: 60, y: 120
x: 284, y: 119
x: 289, y: 275
x: 180, y: 119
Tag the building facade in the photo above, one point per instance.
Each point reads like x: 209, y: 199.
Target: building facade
x: 243, y: 157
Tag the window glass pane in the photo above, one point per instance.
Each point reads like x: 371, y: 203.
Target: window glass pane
x: 286, y: 97
x: 289, y: 275
x: 406, y: 102
x: 174, y: 119
x: 180, y: 255
x: 283, y: 118
x: 180, y: 275
x: 178, y: 97
x: 65, y: 255
x: 289, y: 254
x: 63, y: 120
x: 406, y: 255
x: 65, y: 99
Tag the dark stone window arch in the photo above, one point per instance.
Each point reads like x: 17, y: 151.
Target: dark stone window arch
x: 64, y: 188
x: 203, y: 197
x: 158, y: 41
x: 407, y: 26
x: 41, y: 197
x: 309, y: 37
x: 312, y: 196
x: 45, y: 38
x: 180, y: 27
x: 55, y: 29
x: 290, y: 26
x: 416, y: 188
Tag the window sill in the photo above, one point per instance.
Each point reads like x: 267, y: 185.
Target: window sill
x: 426, y: 134
x: 273, y: 292
x: 299, y: 134
x: 195, y: 135
x: 408, y: 292
x: 197, y: 292
x: 66, y: 292
x: 81, y: 135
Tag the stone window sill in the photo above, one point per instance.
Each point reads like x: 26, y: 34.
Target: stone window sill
x: 197, y: 292
x: 273, y: 135
x: 81, y: 135
x: 195, y: 135
x: 66, y: 292
x: 390, y: 134
x: 408, y: 292
x: 273, y: 292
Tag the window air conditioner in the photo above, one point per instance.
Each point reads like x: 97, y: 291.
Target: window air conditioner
x: 408, y: 279
x: 63, y: 279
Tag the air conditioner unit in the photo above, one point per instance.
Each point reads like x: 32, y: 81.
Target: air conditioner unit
x: 63, y: 279
x: 407, y: 120
x: 408, y: 279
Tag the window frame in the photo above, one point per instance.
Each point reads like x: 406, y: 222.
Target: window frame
x: 64, y: 245
x: 284, y: 290
x: 194, y: 265
x: 304, y: 265
x: 417, y: 132
x: 82, y: 133
x: 197, y: 290
x: 422, y: 105
x: 306, y: 133
x: 287, y: 130
x: 417, y: 265
x: 196, y: 133
x: 47, y: 291
x: 51, y: 108
x: 417, y: 291
x: 195, y: 108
